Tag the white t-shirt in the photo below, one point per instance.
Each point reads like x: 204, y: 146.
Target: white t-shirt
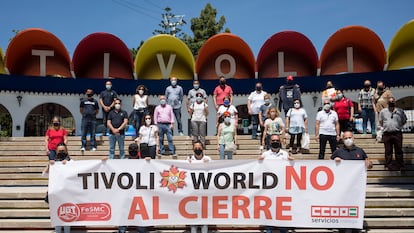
x: 297, y: 119
x: 198, y: 111
x: 327, y: 122
x: 202, y: 160
x: 140, y: 101
x: 280, y: 155
x: 148, y: 134
x: 231, y: 109
x: 257, y: 100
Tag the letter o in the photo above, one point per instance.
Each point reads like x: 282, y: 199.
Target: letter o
x: 130, y: 180
x: 232, y: 64
x: 329, y: 176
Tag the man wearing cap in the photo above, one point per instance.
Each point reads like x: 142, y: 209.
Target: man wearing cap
x: 287, y: 93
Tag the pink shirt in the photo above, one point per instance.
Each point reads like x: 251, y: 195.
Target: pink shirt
x: 220, y: 93
x: 163, y: 114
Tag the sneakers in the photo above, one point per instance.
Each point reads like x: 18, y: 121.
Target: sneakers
x: 93, y: 148
x: 82, y: 148
x: 182, y: 134
x: 174, y: 156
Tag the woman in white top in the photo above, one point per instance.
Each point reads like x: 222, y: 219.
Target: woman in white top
x: 148, y: 138
x: 272, y: 125
x: 296, y: 125
x: 227, y: 107
x: 140, y: 105
x: 198, y: 113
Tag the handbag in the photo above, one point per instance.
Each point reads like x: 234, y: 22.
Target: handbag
x: 230, y: 147
x: 144, y: 150
x: 305, y: 141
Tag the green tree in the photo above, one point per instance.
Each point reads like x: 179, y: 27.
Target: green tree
x: 170, y: 24
x: 203, y: 28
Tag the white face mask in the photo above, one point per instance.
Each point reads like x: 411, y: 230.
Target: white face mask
x: 141, y: 92
x: 117, y: 106
x: 327, y: 107
x: 196, y: 86
x: 348, y: 142
x: 148, y: 121
x: 227, y: 119
x: 173, y: 82
x: 163, y: 102
x: 108, y: 87
x: 296, y: 105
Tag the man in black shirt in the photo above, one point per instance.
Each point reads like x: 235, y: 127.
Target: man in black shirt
x: 88, y: 108
x: 117, y: 122
x: 106, y: 99
x: 350, y: 151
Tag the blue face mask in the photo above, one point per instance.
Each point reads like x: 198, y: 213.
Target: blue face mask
x: 163, y: 102
x: 226, y: 102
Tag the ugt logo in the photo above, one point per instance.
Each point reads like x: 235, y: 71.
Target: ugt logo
x: 173, y: 179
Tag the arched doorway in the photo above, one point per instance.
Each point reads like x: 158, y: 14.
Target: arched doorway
x: 407, y: 104
x: 37, y: 121
x: 6, y: 124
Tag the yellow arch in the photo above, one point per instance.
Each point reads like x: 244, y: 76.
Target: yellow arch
x: 148, y: 67
x: 2, y: 70
x: 401, y: 50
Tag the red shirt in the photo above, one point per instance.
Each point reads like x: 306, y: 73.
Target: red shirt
x: 55, y: 137
x: 342, y: 108
x: 228, y: 91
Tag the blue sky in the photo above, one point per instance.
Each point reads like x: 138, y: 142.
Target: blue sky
x: 253, y: 21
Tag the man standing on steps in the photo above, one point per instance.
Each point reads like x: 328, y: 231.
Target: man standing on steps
x: 88, y: 108
x: 392, y: 120
x: 106, y: 99
x: 174, y: 94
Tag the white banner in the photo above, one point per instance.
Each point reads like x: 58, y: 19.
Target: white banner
x: 314, y: 193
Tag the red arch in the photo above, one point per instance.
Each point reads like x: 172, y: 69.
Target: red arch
x: 20, y: 61
x: 87, y: 59
x: 300, y: 55
x: 369, y: 51
x: 225, y: 43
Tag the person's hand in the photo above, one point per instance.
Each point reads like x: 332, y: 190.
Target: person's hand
x: 317, y: 138
x: 148, y: 159
x: 51, y: 162
x: 368, y: 163
x: 260, y: 158
x: 291, y: 157
x: 338, y: 138
x: 218, y: 147
x: 205, y: 160
x: 104, y: 158
x: 47, y: 152
x: 64, y: 161
x: 338, y: 160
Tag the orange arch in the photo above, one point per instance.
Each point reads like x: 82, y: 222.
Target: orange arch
x: 401, y: 49
x: 299, y: 55
x: 88, y: 58
x: 368, y: 51
x: 19, y: 58
x: 225, y: 43
x: 171, y: 49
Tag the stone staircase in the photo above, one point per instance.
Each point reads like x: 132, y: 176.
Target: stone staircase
x: 389, y: 202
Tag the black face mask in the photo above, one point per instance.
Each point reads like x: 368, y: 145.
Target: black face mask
x: 61, y: 155
x: 391, y: 104
x: 198, y: 151
x: 258, y: 88
x: 223, y: 82
x: 56, y: 124
x: 275, y: 144
x: 380, y: 88
x: 89, y: 95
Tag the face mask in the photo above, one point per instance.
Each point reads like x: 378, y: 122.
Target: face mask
x: 380, y: 88
x: 226, y: 102
x: 56, y: 124
x: 348, y: 142
x: 272, y: 114
x: 296, y: 105
x: 267, y: 101
x: 89, y: 95
x: 275, y: 144
x: 222, y: 82
x: 329, y: 86
x: 227, y: 119
x: 367, y: 86
x: 391, y: 104
x: 117, y: 106
x: 141, y: 92
x: 163, y: 102
x: 173, y: 82
x: 327, y: 107
x: 148, y: 121
x: 62, y: 155
x: 196, y: 86
x: 199, y: 99
x: 108, y: 87
x: 198, y: 151
x: 340, y: 96
x: 258, y: 88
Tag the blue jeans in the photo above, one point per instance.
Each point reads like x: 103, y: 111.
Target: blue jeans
x: 255, y: 123
x: 177, y: 114
x: 122, y: 229
x: 66, y: 229
x: 165, y: 129
x: 223, y: 153
x: 281, y: 230
x: 88, y: 125
x: 368, y: 114
x: 120, y: 138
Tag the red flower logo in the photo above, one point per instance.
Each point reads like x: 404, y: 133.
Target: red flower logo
x: 173, y: 179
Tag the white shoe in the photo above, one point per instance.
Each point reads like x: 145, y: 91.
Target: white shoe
x: 82, y: 149
x: 93, y: 148
x: 181, y: 134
